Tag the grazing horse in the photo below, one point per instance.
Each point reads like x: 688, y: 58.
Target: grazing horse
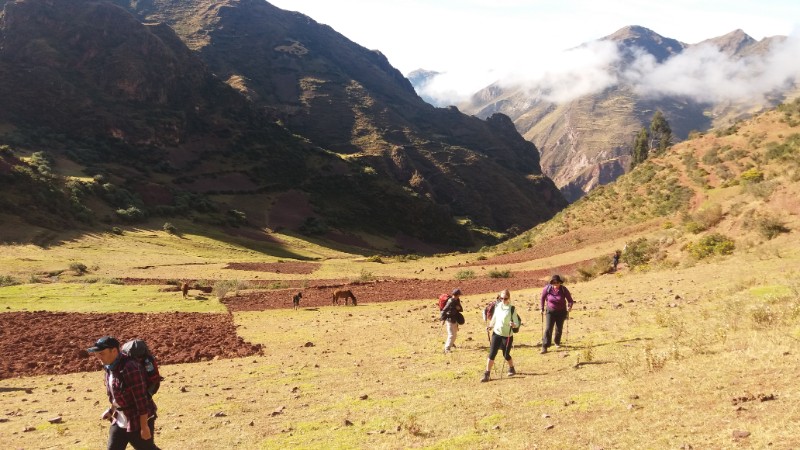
x: 296, y: 300
x: 185, y: 289
x: 345, y: 294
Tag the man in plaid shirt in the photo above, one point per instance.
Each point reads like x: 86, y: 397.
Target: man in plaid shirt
x: 132, y: 412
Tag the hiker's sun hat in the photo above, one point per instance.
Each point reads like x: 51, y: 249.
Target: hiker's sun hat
x: 103, y: 343
x: 556, y: 279
x: 456, y: 292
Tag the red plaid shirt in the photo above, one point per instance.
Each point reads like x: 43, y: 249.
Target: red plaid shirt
x: 128, y: 388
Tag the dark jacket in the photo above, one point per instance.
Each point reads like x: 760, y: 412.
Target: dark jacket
x: 450, y: 310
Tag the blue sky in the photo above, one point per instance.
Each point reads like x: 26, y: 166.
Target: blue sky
x: 479, y: 41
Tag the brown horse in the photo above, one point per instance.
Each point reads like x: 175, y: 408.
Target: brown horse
x: 345, y: 294
x: 296, y: 300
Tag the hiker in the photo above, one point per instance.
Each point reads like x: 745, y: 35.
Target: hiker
x: 617, y: 254
x: 132, y: 412
x: 503, y: 319
x: 185, y: 289
x: 452, y: 317
x: 558, y: 300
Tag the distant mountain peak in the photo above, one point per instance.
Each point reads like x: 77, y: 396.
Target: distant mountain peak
x: 638, y: 36
x: 732, y: 43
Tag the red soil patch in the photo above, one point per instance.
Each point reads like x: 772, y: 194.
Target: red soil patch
x: 390, y: 290
x: 279, y: 267
x: 40, y: 343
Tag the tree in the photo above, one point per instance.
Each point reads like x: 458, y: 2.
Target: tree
x: 660, y: 133
x: 657, y: 141
x: 640, y: 148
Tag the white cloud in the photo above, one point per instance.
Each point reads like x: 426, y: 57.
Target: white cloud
x: 702, y: 73
x: 705, y: 74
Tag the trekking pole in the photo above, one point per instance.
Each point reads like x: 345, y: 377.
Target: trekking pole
x: 503, y: 369
x: 566, y: 334
x: 541, y: 340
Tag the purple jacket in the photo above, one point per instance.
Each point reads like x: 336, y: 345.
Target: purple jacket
x: 556, y: 300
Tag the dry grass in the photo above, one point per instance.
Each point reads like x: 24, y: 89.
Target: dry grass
x: 644, y: 369
x: 679, y: 354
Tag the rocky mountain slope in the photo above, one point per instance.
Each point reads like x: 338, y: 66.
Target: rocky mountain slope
x: 237, y: 104
x: 351, y: 101
x: 586, y: 142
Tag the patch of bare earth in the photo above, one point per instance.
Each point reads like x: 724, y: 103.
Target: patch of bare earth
x: 278, y: 267
x: 389, y: 290
x: 41, y: 343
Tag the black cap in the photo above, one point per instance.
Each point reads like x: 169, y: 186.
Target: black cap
x: 103, y: 343
x: 456, y: 292
x: 556, y: 279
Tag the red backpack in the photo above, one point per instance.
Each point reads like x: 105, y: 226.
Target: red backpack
x: 443, y: 300
x: 488, y: 311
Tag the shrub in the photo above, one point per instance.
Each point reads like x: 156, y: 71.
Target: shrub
x: 117, y: 230
x: 7, y: 280
x: 638, y: 252
x: 375, y: 259
x: 713, y: 244
x: 597, y: 266
x: 465, y: 275
x: 365, y: 276
x: 769, y: 226
x: 494, y: 273
x: 131, y: 214
x: 752, y: 175
x: 170, y: 228
x: 78, y: 268
x: 222, y: 287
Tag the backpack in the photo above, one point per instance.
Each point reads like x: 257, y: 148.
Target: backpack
x: 515, y: 329
x: 443, y: 300
x: 138, y: 350
x: 488, y: 311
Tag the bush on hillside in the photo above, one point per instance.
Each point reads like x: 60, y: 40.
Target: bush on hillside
x: 769, y: 226
x: 752, y: 175
x: 465, y: 275
x: 639, y: 252
x: 595, y: 267
x: 78, y: 267
x: 8, y: 280
x: 704, y: 219
x: 713, y: 244
x: 170, y: 228
x: 131, y: 214
x: 494, y: 273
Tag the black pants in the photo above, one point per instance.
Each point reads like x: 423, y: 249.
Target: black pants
x: 553, y: 318
x: 499, y: 342
x: 119, y: 438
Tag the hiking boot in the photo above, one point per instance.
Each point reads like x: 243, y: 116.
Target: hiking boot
x: 544, y: 350
x: 485, y: 377
x: 511, y: 371
x: 558, y: 345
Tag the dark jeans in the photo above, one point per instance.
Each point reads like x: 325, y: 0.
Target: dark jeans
x: 499, y: 342
x: 118, y: 438
x: 553, y: 318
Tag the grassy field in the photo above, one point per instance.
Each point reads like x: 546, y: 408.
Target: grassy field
x: 659, y: 359
x: 696, y: 347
